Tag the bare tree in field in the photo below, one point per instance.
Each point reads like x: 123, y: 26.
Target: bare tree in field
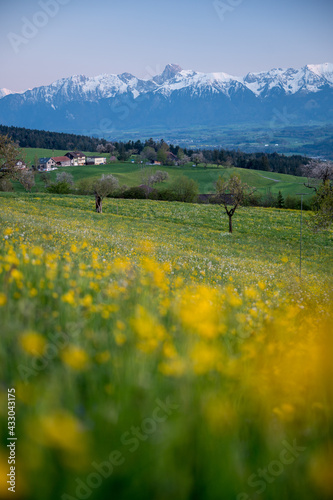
x: 317, y: 172
x: 231, y: 194
x: 103, y: 187
x: 27, y: 179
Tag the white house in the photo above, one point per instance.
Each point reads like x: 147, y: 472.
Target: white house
x: 46, y: 164
x: 96, y: 160
x: 76, y: 157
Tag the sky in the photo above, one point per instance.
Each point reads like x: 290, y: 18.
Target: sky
x: 44, y: 40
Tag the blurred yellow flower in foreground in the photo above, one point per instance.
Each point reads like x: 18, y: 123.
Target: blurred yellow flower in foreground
x: 33, y: 343
x: 148, y: 330
x: 75, y: 357
x: 60, y: 430
x: 200, y: 312
x: 3, y: 299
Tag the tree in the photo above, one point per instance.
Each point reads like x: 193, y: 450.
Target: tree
x: 323, y: 206
x: 317, y: 171
x: 65, y: 177
x: 85, y: 186
x: 264, y: 164
x: 147, y: 176
x: 159, y: 176
x: 27, y: 179
x: 184, y: 160
x: 198, y: 158
x: 63, y: 184
x: 231, y: 194
x: 9, y: 156
x: 45, y: 178
x: 185, y: 189
x: 280, y: 201
x: 61, y: 187
x: 103, y: 187
x: 36, y: 162
x: 162, y: 156
x: 149, y: 153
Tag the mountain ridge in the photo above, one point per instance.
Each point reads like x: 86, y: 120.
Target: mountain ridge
x: 176, y: 98
x: 310, y: 77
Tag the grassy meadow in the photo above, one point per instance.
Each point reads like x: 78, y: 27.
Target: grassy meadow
x: 153, y: 355
x: 131, y: 175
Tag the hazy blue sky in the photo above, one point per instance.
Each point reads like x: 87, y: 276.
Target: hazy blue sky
x: 91, y: 37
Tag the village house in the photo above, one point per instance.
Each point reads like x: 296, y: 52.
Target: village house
x: 76, y: 157
x: 62, y: 161
x: 172, y: 157
x: 46, y: 164
x: 96, y: 160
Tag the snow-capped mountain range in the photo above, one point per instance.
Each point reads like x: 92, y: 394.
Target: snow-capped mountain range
x: 310, y: 78
x: 176, y: 97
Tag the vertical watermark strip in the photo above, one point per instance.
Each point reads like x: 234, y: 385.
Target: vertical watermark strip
x: 11, y: 441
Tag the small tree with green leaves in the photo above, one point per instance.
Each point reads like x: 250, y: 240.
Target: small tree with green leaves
x: 323, y: 206
x: 231, y: 194
x: 103, y: 187
x: 185, y: 189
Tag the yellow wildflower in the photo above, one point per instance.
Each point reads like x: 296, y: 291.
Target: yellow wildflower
x: 3, y: 299
x: 61, y: 430
x: 33, y: 343
x: 75, y: 357
x: 69, y: 298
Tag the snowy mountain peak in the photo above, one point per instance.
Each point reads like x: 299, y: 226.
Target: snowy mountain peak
x: 169, y: 72
x: 4, y: 92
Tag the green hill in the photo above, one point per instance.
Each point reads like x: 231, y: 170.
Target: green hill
x: 131, y: 174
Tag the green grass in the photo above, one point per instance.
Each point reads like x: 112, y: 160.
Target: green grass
x: 130, y: 175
